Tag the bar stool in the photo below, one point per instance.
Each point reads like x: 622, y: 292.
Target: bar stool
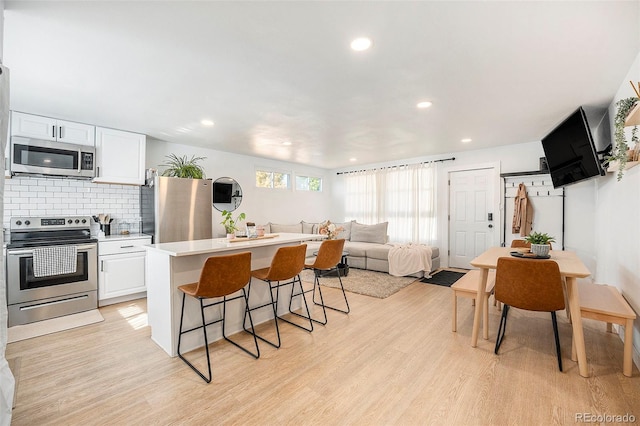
x: 285, y: 269
x: 327, y: 260
x: 221, y: 276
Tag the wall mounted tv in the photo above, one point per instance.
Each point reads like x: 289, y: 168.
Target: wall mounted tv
x: 222, y: 192
x: 570, y: 151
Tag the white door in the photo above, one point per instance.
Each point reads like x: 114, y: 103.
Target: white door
x: 473, y: 223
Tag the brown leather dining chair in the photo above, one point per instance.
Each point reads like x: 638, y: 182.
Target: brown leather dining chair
x: 221, y: 276
x: 530, y: 284
x: 327, y: 260
x: 524, y: 244
x: 285, y: 269
x: 520, y: 244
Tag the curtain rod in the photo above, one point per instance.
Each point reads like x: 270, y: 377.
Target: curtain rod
x: 393, y: 167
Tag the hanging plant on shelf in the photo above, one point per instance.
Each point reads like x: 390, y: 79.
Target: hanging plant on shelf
x: 183, y: 168
x: 620, y: 150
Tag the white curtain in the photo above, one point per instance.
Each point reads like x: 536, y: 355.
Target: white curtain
x: 405, y: 196
x: 7, y: 382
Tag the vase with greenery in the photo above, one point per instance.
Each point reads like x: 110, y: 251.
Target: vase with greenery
x: 183, y: 168
x: 540, y: 243
x: 230, y: 224
x: 620, y: 149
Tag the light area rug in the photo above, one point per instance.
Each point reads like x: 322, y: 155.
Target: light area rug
x: 54, y: 325
x: 360, y: 281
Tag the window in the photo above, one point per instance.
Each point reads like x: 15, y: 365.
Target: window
x: 404, y: 196
x: 307, y: 183
x: 271, y: 179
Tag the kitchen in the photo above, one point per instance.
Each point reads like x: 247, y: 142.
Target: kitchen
x: 49, y: 206
x: 115, y: 190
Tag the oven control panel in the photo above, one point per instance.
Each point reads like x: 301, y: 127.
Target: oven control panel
x: 45, y: 223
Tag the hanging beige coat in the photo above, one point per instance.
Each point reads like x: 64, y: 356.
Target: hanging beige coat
x: 522, y: 213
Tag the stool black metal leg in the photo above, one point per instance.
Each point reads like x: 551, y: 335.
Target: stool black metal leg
x: 206, y: 343
x: 297, y: 279
x: 224, y: 334
x: 502, y: 328
x: 555, y: 333
x: 271, y: 304
x: 303, y: 292
x: 344, y: 294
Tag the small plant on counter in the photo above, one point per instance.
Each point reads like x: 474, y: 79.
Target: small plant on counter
x: 230, y: 225
x: 183, y: 168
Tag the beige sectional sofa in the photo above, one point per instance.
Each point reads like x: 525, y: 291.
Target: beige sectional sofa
x: 366, y: 244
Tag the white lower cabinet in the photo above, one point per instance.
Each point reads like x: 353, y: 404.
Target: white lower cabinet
x: 121, y: 264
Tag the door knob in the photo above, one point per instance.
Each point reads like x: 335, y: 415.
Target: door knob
x: 490, y: 226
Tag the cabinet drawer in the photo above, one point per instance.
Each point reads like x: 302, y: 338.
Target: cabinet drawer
x: 122, y: 246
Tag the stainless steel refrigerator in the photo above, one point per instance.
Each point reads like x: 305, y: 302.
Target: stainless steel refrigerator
x: 176, y: 209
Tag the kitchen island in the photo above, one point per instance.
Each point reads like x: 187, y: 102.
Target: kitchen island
x: 170, y: 265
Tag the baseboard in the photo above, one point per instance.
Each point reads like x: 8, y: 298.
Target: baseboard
x: 128, y: 297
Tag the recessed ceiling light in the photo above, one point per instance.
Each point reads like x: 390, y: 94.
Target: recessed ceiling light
x: 286, y: 143
x: 353, y: 159
x: 206, y: 122
x: 425, y: 104
x: 360, y: 44
x: 466, y: 140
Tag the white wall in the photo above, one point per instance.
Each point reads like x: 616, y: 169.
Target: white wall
x: 259, y: 204
x: 617, y: 223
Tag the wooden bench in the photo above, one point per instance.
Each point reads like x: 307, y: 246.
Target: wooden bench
x: 467, y: 286
x: 605, y: 303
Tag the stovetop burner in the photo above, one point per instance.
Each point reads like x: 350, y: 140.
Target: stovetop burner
x: 49, y: 231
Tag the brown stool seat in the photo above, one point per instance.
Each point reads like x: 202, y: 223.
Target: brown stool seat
x: 261, y: 274
x: 221, y: 276
x: 327, y: 260
x: 284, y: 270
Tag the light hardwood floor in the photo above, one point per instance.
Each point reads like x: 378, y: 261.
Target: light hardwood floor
x: 391, y: 361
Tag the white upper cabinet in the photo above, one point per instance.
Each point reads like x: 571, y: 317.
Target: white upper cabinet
x: 120, y: 157
x: 35, y: 126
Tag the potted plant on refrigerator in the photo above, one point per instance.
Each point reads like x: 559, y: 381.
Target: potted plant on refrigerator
x: 230, y: 224
x: 540, y: 243
x: 184, y: 168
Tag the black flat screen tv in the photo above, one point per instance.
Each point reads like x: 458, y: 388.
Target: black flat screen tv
x: 570, y: 151
x: 222, y: 192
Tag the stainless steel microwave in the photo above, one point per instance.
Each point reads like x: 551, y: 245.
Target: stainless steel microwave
x: 37, y: 156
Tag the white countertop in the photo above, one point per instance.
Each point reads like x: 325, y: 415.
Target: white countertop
x: 118, y: 237
x: 187, y: 248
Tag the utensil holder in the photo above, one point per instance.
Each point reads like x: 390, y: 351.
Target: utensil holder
x: 106, y: 228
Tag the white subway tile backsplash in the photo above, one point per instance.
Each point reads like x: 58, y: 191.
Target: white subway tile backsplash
x: 38, y: 196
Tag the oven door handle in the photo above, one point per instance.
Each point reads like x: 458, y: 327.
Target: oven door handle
x: 30, y: 251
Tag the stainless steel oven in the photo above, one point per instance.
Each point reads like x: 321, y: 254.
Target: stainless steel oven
x: 35, y: 297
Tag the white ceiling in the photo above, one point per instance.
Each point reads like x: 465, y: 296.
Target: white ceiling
x: 269, y: 72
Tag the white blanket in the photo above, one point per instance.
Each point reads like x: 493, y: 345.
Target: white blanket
x: 407, y: 259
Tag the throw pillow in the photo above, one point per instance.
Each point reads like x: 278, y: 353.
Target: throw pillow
x: 346, y: 233
x: 369, y: 233
x: 296, y: 228
x: 308, y: 228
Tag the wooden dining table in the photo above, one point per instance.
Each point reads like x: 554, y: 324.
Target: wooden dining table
x: 571, y: 268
